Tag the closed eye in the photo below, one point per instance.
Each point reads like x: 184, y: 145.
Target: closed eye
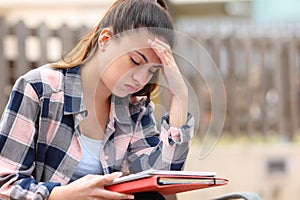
x: 134, y: 62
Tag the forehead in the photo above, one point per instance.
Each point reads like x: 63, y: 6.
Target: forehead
x: 150, y: 55
x: 134, y: 40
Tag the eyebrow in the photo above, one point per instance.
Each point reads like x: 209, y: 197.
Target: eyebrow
x: 142, y: 55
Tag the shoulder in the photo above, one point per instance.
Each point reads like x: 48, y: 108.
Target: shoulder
x: 44, y: 79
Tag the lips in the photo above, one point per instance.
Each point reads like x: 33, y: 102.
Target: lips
x: 131, y: 88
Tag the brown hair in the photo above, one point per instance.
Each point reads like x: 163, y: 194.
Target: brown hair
x: 124, y: 15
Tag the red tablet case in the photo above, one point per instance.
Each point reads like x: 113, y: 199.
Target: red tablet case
x: 148, y: 184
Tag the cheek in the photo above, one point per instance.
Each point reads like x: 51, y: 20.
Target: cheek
x: 110, y: 78
x: 114, y: 75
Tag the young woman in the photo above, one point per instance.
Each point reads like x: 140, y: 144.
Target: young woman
x: 73, y: 126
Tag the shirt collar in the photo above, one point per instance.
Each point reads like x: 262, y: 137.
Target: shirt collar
x: 73, y: 102
x: 122, y: 108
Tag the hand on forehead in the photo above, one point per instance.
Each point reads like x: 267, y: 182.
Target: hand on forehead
x: 134, y: 41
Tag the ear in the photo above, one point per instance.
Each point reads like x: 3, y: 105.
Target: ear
x: 104, y: 38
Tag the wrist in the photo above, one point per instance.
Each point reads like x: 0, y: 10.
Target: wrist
x: 58, y: 193
x: 178, y: 109
x: 181, y: 93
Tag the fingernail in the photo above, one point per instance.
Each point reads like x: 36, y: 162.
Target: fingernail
x: 149, y: 41
x: 130, y: 197
x: 161, y: 51
x: 119, y: 173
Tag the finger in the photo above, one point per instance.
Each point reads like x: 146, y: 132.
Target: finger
x: 114, y: 195
x: 162, y: 43
x: 156, y: 46
x: 165, y: 55
x: 108, y: 178
x: 160, y: 52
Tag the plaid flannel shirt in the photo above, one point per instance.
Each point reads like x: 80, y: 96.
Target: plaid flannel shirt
x: 39, y: 145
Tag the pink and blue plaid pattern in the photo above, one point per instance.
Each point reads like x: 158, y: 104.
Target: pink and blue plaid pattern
x: 39, y: 146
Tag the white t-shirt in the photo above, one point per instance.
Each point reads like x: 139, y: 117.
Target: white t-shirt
x: 90, y: 161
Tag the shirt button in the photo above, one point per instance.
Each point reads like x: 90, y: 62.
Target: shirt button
x: 106, y: 158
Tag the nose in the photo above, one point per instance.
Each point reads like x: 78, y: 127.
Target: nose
x: 141, y: 76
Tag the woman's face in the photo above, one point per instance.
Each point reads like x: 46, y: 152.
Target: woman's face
x: 132, y: 70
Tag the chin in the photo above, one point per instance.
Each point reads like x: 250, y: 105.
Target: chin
x: 121, y: 94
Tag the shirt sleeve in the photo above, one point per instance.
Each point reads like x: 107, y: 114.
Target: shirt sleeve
x: 166, y: 149
x: 18, y: 132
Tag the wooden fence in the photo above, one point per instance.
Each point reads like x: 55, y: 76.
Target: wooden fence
x: 259, y: 66
x: 23, y: 48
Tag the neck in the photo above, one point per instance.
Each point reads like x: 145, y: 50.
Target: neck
x: 97, y: 99
x: 94, y: 90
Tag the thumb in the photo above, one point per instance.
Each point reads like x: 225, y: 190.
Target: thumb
x: 108, y: 178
